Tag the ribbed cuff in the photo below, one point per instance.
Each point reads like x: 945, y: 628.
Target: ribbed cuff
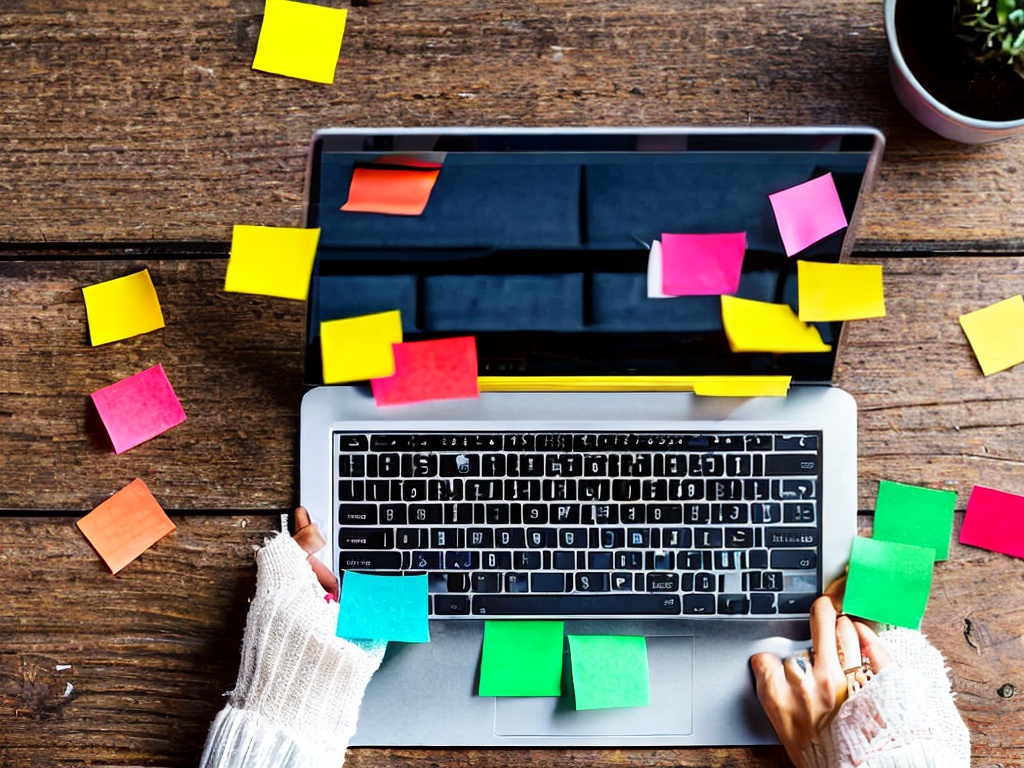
x: 241, y: 738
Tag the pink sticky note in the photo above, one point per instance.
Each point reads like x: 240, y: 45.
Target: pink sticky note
x: 441, y: 369
x: 702, y: 265
x: 808, y: 213
x: 138, y: 408
x: 994, y: 521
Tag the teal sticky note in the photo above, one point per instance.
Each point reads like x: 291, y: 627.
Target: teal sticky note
x: 522, y: 658
x: 888, y: 582
x: 609, y: 671
x: 908, y: 514
x: 383, y: 608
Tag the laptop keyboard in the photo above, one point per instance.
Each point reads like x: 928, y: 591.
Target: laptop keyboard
x: 517, y: 524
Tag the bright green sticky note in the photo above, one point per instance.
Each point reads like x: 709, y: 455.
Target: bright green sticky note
x: 609, y: 671
x: 888, y: 582
x: 908, y: 514
x: 522, y: 658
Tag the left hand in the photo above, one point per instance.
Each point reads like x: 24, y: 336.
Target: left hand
x: 312, y: 541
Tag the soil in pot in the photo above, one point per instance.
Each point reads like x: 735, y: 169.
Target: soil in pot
x: 941, y: 63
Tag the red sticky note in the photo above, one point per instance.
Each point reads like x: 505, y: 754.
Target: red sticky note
x: 702, y: 265
x: 397, y: 191
x: 138, y: 408
x: 126, y: 525
x: 441, y: 369
x: 807, y: 213
x: 994, y: 521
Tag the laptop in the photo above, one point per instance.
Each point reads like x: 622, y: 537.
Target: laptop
x: 588, y: 483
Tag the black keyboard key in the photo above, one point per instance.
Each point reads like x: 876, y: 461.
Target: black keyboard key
x: 498, y: 514
x: 623, y: 582
x: 492, y: 465
x: 733, y: 605
x: 427, y: 561
x: 519, y: 442
x: 535, y: 514
x: 447, y: 538
x: 459, y: 465
x: 357, y: 514
x: 671, y: 465
x: 480, y: 538
x: 522, y: 490
x: 686, y: 490
x: 793, y: 490
x: 559, y: 490
x: 387, y: 465
x: 764, y: 581
x: 353, y: 443
x: 704, y: 582
x: 757, y: 558
x: 782, y: 536
x: 591, y: 581
x: 662, y: 582
x: 665, y: 514
x: 594, y: 490
x: 393, y: 514
x: 626, y: 490
x: 445, y: 489
x: 659, y: 561
x: 510, y: 538
x: 370, y: 561
x: 565, y: 514
x: 449, y: 582
x: 460, y: 514
x: 517, y: 582
x: 419, y: 465
x: 691, y: 560
x: 762, y: 603
x: 530, y: 465
x: 766, y: 512
x: 564, y: 465
x: 564, y: 561
x: 707, y: 538
x: 610, y: 604
x: 409, y: 538
x: 707, y: 465
x: 793, y: 559
x: 351, y: 490
x: 540, y: 538
x: 612, y: 538
x: 629, y: 561
x: 758, y: 442
x: 677, y: 538
x: 365, y: 538
x: 727, y: 559
x: 600, y: 514
x: 484, y: 490
x: 739, y: 538
x: 353, y: 465
x: 595, y: 466
x: 732, y: 513
x: 796, y: 443
x: 390, y: 442
x: 426, y: 514
x: 798, y: 512
x: 796, y: 603
x: 726, y: 490
x: 547, y: 582
x: 798, y: 464
x: 699, y: 605
x: 451, y: 605
x: 526, y: 561
x: 696, y: 514
x: 461, y: 561
x: 572, y: 538
x: 599, y: 561
x: 484, y: 581
x: 740, y: 465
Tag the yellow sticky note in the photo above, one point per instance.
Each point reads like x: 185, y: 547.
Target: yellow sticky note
x: 118, y: 309
x: 758, y: 326
x: 741, y: 386
x: 271, y: 261
x: 839, y: 291
x: 996, y: 334
x: 300, y: 40
x: 359, y: 348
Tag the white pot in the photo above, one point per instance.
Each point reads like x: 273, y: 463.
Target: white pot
x: 931, y: 112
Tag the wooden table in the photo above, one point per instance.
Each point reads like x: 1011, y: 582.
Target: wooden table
x: 136, y: 134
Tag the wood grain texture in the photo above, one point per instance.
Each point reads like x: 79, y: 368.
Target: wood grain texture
x: 145, y: 122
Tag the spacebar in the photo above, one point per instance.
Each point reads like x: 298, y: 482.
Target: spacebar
x: 575, y: 605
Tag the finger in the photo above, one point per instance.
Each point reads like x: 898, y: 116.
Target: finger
x: 872, y: 647
x: 301, y: 518
x: 767, y: 667
x: 823, y: 638
x: 835, y: 592
x: 323, y: 574
x: 307, y: 534
x: 849, y: 643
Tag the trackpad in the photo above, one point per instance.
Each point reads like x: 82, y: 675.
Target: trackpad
x: 670, y: 712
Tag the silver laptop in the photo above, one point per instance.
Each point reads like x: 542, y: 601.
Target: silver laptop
x: 706, y: 525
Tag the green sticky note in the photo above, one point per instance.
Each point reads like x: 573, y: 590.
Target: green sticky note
x: 522, y: 658
x: 888, y: 582
x: 908, y: 514
x: 609, y: 671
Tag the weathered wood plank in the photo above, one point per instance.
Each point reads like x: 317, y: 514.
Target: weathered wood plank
x: 145, y: 122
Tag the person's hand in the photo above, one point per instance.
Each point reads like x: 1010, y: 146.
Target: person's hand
x: 308, y: 536
x: 802, y: 694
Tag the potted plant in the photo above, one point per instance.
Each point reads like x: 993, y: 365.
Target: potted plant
x: 958, y: 65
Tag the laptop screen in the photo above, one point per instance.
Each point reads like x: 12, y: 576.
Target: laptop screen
x: 537, y: 241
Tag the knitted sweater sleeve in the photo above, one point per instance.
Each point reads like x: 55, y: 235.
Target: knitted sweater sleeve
x: 299, y: 686
x: 905, y: 717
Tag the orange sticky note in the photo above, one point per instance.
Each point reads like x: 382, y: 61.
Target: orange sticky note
x: 126, y: 525
x: 758, y: 326
x: 300, y: 40
x: 440, y: 369
x: 393, y: 191
x: 120, y: 308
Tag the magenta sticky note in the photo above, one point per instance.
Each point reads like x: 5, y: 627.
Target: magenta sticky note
x: 808, y: 213
x: 702, y: 265
x: 440, y: 369
x: 994, y: 521
x: 138, y: 408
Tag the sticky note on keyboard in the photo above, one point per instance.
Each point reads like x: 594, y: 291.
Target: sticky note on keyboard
x: 300, y: 40
x: 377, y: 607
x: 359, y: 348
x: 138, y: 408
x: 994, y: 521
x: 909, y: 514
x: 888, y: 582
x: 126, y: 525
x: 522, y: 658
x: 758, y: 326
x: 839, y: 291
x: 121, y: 308
x: 996, y: 334
x: 702, y: 265
x: 394, y: 191
x: 271, y: 261
x: 807, y: 213
x: 609, y: 671
x: 440, y: 369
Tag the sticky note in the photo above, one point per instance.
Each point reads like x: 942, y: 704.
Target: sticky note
x: 839, y: 291
x: 375, y: 607
x: 271, y: 261
x: 909, y: 514
x: 888, y: 582
x: 300, y: 40
x: 994, y: 521
x: 655, y: 271
x: 758, y: 326
x: 126, y: 525
x: 390, y: 190
x: 702, y: 265
x: 522, y: 658
x: 138, y: 408
x: 440, y: 369
x: 609, y: 671
x: 359, y: 348
x: 807, y: 213
x: 741, y: 386
x: 121, y: 308
x: 996, y: 334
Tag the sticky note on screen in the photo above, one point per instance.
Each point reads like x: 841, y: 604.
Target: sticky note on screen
x: 807, y: 213
x: 271, y: 261
x: 702, y: 265
x: 126, y: 525
x: 994, y: 521
x: 522, y: 658
x: 300, y: 40
x: 440, y: 369
x: 359, y: 348
x: 996, y: 334
x: 888, y: 582
x: 121, y: 308
x: 609, y: 671
x: 398, y: 188
x: 138, y: 408
x: 839, y: 291
x: 758, y: 326
x: 909, y: 514
x: 374, y: 607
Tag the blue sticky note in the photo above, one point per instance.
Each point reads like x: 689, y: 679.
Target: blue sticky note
x: 383, y: 608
